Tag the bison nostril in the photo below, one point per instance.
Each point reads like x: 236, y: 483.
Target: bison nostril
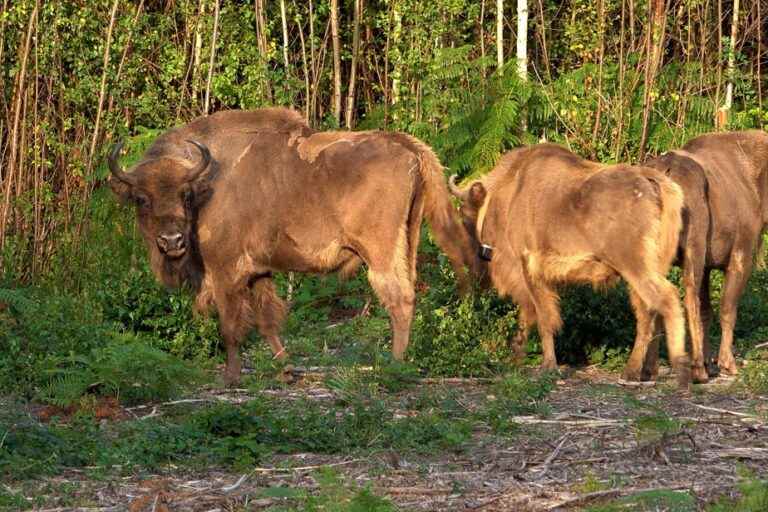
x: 171, y: 242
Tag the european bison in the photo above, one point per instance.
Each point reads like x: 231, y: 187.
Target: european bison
x: 227, y: 200
x: 550, y: 217
x: 725, y: 180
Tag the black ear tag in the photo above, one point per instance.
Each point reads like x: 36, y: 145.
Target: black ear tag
x: 485, y: 252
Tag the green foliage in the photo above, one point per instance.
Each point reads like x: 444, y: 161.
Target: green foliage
x: 61, y: 350
x: 518, y: 393
x: 651, y: 501
x: 335, y: 495
x: 754, y: 375
x: 754, y: 495
x: 132, y: 371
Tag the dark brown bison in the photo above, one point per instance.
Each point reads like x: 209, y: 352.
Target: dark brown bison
x: 550, y: 217
x: 227, y: 200
x: 724, y: 177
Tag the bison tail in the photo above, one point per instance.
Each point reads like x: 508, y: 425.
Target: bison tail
x: 443, y: 219
x: 671, y: 221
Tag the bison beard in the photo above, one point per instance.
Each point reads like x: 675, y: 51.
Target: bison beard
x: 553, y: 218
x: 288, y: 199
x: 725, y: 180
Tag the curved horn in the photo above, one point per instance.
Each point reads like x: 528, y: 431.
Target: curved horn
x: 454, y: 188
x: 204, y: 162
x: 114, y: 167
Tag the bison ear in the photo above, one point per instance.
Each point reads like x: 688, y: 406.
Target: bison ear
x: 477, y: 194
x: 121, y: 189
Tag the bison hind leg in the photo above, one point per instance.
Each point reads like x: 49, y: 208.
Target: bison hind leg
x: 397, y: 296
x: 269, y: 312
x: 659, y: 295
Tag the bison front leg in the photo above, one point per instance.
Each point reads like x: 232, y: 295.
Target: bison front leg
x: 236, y: 319
x: 548, y: 319
x: 397, y: 295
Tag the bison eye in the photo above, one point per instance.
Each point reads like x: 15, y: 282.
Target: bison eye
x: 141, y: 201
x: 187, y: 196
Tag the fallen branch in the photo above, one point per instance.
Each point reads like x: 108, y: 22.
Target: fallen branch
x: 739, y: 453
x: 532, y: 420
x: 553, y: 456
x: 303, y: 468
x: 725, y: 411
x: 423, y: 491
x: 611, y: 493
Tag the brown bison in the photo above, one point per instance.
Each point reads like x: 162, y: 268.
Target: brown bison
x: 550, y: 217
x: 724, y: 177
x: 227, y: 200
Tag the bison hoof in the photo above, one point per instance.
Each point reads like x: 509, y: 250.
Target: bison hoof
x: 231, y: 381
x: 712, y: 369
x: 728, y: 365
x: 699, y: 375
x: 549, y: 365
x: 632, y: 375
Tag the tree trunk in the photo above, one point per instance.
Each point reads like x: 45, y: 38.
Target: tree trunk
x: 212, y: 59
x: 500, y: 33
x: 103, y: 88
x: 655, y: 41
x: 336, y: 61
x: 353, y: 71
x: 725, y: 110
x: 261, y: 37
x: 284, y: 20
x: 522, y: 39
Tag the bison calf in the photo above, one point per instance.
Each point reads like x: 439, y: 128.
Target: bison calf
x: 227, y: 200
x: 545, y: 217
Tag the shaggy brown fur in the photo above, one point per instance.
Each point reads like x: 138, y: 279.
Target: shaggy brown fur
x: 725, y: 180
x: 278, y: 197
x: 554, y: 218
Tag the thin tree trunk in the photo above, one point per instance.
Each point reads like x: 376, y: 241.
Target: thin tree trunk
x: 522, y: 39
x: 312, y: 60
x: 656, y: 31
x: 719, y: 59
x: 14, y: 134
x: 600, y: 59
x: 306, y: 70
x: 726, y: 108
x: 336, y: 60
x: 353, y: 71
x: 284, y: 20
x: 500, y: 33
x: 759, y: 58
x: 545, y: 54
x: 622, y: 74
x: 212, y: 59
x: 482, y: 35
x: 198, y: 52
x: 103, y: 88
x: 261, y: 36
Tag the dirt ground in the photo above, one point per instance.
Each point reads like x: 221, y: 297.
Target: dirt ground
x: 584, y: 452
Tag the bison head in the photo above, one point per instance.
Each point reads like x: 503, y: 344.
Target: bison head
x: 167, y: 192
x: 472, y: 200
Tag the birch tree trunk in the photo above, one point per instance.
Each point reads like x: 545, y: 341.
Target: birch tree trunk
x: 353, y: 72
x: 725, y: 110
x: 522, y: 39
x: 261, y: 37
x: 336, y: 60
x: 212, y: 59
x: 284, y: 19
x: 499, y: 33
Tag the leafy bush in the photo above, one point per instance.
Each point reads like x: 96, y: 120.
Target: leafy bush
x: 132, y: 371
x: 755, y: 372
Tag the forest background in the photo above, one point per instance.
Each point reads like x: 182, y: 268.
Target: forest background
x: 614, y: 80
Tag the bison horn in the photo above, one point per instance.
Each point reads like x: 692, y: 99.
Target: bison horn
x: 454, y: 188
x: 203, y: 165
x: 114, y: 167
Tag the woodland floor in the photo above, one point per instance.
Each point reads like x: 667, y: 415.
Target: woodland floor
x: 584, y: 452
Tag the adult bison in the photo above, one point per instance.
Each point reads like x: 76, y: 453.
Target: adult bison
x: 724, y: 177
x: 227, y: 200
x: 550, y: 217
